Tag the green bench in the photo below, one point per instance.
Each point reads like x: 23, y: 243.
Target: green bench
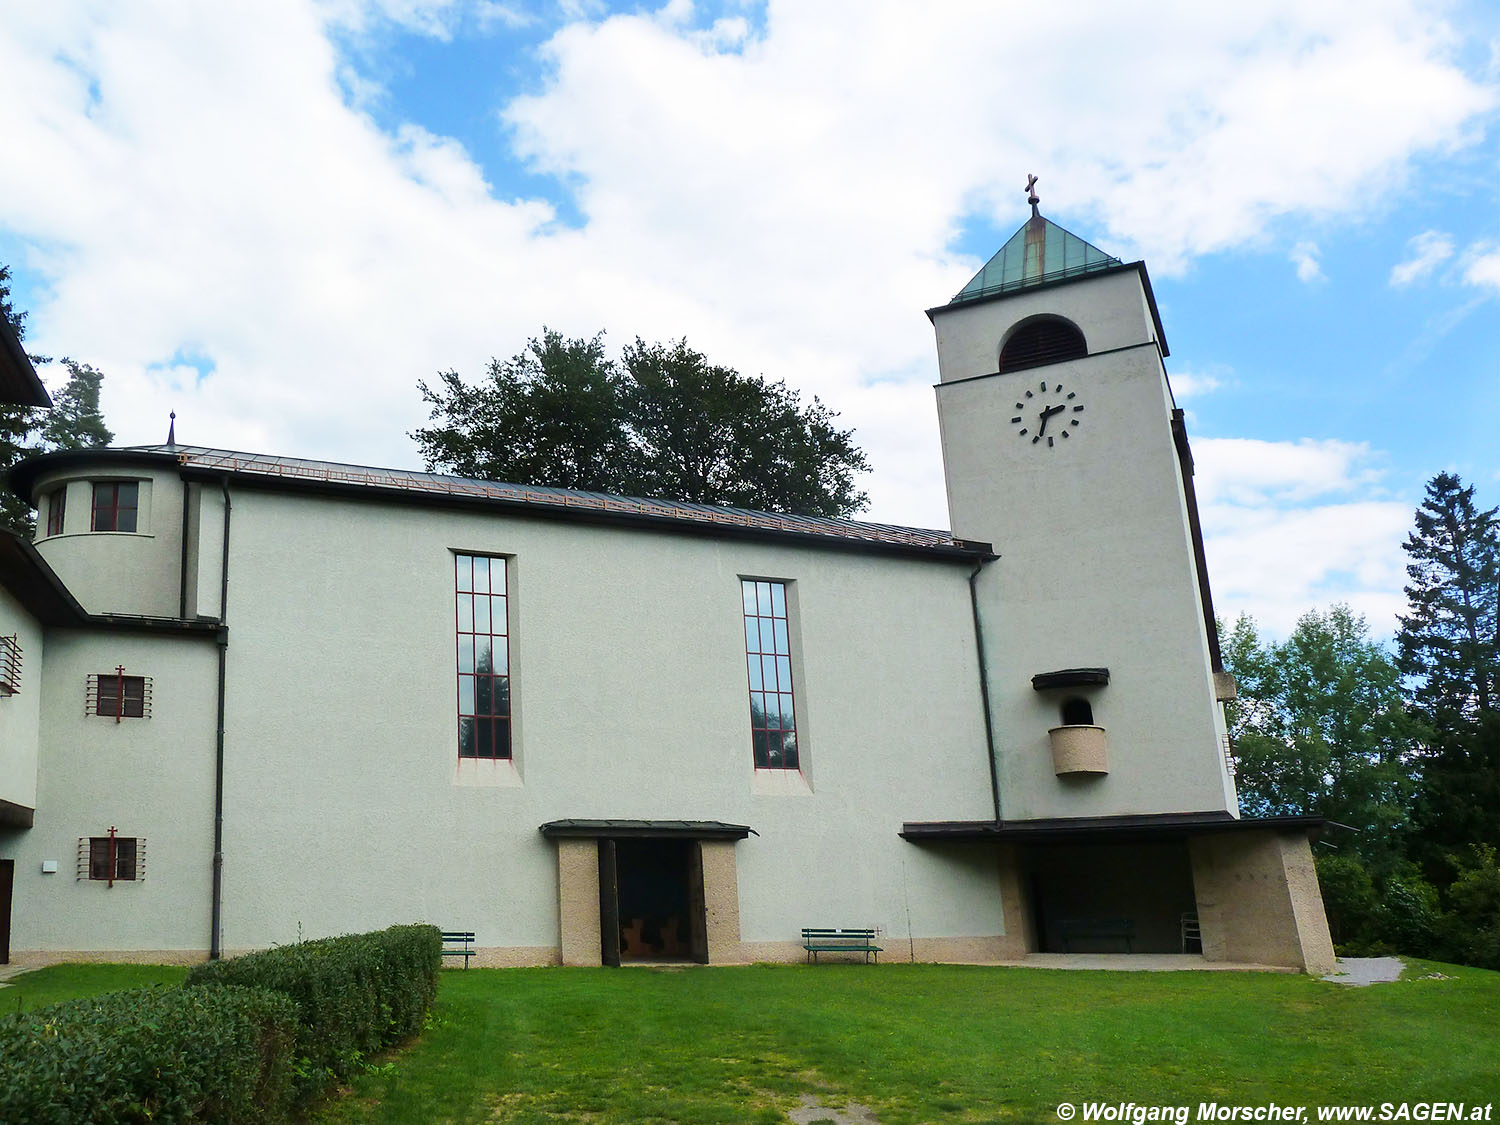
x: 1096, y: 930
x: 840, y: 941
x: 461, y: 943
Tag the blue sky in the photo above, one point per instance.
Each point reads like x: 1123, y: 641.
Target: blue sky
x: 275, y: 216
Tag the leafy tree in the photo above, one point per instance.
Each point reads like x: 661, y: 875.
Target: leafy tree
x: 1320, y: 729
x: 75, y: 422
x: 553, y: 414
x: 710, y: 435
x: 1472, y: 927
x: 665, y: 422
x: 1449, y: 647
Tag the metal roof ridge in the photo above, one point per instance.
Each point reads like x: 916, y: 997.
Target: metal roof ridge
x: 207, y: 458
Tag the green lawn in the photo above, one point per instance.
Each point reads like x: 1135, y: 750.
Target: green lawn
x: 41, y: 987
x: 922, y: 1043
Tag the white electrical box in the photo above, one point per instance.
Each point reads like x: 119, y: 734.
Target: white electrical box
x: 49, y: 867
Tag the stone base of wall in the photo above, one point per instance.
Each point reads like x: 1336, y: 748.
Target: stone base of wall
x: 40, y: 958
x: 508, y: 957
x: 488, y: 957
x: 894, y: 949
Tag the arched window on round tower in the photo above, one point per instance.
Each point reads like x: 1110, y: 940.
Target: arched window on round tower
x: 1042, y: 340
x: 1077, y: 713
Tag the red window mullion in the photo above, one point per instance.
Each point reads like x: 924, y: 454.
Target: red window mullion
x: 495, y: 725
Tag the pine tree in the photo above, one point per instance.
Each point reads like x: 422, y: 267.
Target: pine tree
x: 75, y: 422
x: 1449, y: 647
x: 18, y: 425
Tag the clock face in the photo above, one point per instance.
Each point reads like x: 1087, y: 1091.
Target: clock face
x: 1047, y: 414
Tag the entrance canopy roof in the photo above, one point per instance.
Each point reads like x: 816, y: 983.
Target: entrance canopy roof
x: 646, y: 829
x: 1085, y: 829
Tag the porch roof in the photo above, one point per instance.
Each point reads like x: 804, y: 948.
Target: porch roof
x: 1085, y: 829
x: 646, y: 829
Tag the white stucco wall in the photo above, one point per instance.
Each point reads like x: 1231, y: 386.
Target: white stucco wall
x: 1111, y: 310
x: 1096, y: 566
x: 149, y: 778
x: 20, y: 714
x: 343, y: 810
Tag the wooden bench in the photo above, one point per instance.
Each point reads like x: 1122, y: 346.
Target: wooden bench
x: 840, y: 941
x: 1097, y: 929
x: 462, y: 942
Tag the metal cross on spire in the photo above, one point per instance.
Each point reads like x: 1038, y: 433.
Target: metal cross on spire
x: 1031, y: 195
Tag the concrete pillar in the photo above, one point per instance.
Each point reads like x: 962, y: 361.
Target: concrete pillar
x: 721, y: 900
x: 1258, y: 900
x: 578, y: 901
x: 1019, y: 939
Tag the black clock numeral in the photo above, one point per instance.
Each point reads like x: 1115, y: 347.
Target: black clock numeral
x: 1072, y: 421
x: 1044, y: 388
x: 1028, y: 394
x: 1072, y: 394
x: 1023, y: 431
x: 1065, y: 433
x: 1076, y: 409
x: 1017, y: 418
x: 1036, y: 439
x: 1020, y: 406
x: 1049, y: 443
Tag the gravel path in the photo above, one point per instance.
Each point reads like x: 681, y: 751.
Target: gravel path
x: 1362, y: 971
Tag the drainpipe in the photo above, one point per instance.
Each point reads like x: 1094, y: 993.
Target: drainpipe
x: 214, y: 949
x: 984, y: 687
x: 182, y: 568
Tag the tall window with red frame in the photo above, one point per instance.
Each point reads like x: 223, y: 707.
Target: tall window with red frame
x: 56, y: 505
x: 483, y: 657
x: 115, y: 505
x: 768, y: 658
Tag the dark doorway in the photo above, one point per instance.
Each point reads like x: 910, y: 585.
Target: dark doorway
x: 1122, y: 897
x: 651, y: 901
x: 7, y: 879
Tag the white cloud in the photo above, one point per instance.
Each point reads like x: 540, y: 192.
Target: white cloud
x: 1428, y: 250
x: 194, y: 181
x: 1190, y: 384
x: 1304, y: 256
x: 1294, y: 526
x: 1482, y: 267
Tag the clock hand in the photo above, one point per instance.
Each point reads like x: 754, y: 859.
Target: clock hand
x: 1048, y: 413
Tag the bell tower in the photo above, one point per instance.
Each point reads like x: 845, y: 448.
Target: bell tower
x: 1062, y: 446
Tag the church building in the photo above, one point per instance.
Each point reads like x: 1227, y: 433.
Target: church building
x: 247, y: 699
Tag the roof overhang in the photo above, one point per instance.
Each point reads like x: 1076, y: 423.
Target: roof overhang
x: 1105, y: 829
x: 644, y: 830
x: 41, y: 592
x: 24, y: 476
x: 35, y: 585
x: 13, y: 815
x: 19, y: 382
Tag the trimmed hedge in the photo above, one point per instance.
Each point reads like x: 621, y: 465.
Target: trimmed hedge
x: 354, y: 994
x: 151, y: 1054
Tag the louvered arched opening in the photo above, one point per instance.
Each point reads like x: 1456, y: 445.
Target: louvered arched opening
x: 1040, y: 341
